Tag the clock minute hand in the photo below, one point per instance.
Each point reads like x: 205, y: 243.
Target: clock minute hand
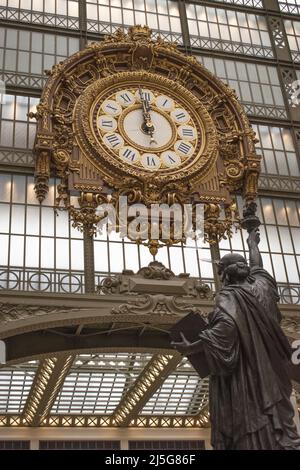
x: 147, y: 125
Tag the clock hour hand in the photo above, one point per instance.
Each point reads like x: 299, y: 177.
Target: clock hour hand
x: 147, y: 125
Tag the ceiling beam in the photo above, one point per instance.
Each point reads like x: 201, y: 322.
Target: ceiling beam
x: 46, y: 385
x: 147, y: 383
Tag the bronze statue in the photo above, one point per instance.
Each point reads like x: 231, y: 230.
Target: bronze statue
x: 248, y: 357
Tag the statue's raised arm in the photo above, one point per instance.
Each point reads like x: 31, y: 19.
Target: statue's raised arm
x: 253, y: 240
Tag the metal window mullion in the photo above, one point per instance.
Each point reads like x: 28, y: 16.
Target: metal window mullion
x: 198, y: 261
x: 292, y: 239
x: 25, y: 227
x: 123, y: 252
x: 9, y: 229
x: 276, y: 225
x: 267, y: 235
x: 184, y: 25
x: 70, y: 257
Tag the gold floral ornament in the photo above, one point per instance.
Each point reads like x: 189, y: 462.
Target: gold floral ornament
x: 133, y: 116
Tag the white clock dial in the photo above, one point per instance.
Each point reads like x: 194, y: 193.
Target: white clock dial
x: 186, y: 132
x: 113, y: 140
x: 150, y: 161
x: 180, y: 116
x: 107, y: 123
x: 125, y: 98
x: 165, y: 103
x: 162, y: 134
x: 111, y: 107
x: 170, y: 159
x: 129, y: 154
x: 147, y: 95
x: 154, y: 133
x: 185, y: 149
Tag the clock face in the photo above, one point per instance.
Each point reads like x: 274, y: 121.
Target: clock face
x: 137, y: 124
x: 147, y: 128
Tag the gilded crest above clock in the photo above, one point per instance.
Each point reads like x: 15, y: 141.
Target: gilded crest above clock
x: 133, y: 112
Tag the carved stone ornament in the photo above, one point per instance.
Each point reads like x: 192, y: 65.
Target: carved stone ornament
x: 11, y: 312
x: 199, y: 149
x: 156, y: 270
x: 158, y: 304
x: 155, y: 279
x: 291, y: 325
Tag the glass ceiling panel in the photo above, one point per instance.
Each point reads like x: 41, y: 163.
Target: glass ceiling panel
x: 15, y: 384
x: 97, y: 382
x: 181, y: 394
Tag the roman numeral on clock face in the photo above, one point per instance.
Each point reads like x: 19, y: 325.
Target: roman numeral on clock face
x: 164, y: 103
x: 125, y: 98
x: 111, y: 107
x: 187, y: 132
x: 180, y: 116
x: 129, y: 154
x: 147, y: 95
x: 113, y: 140
x: 150, y: 161
x: 170, y: 159
x: 107, y: 123
x: 184, y: 148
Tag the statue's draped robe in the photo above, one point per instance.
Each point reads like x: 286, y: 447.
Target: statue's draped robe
x: 248, y: 355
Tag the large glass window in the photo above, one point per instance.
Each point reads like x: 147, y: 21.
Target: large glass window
x: 293, y: 34
x: 277, y: 148
x: 57, y: 13
x: 39, y: 250
x: 257, y: 85
x: 106, y: 16
x: 15, y: 128
x: 279, y: 246
x: 24, y: 55
x: 113, y: 254
x: 228, y: 30
x: 17, y: 132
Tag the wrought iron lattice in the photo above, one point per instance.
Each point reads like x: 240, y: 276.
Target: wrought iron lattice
x: 35, y: 17
x: 244, y: 3
x: 277, y: 29
x: 290, y: 6
x: 16, y: 157
x: 265, y: 111
x: 279, y: 183
x: 232, y: 47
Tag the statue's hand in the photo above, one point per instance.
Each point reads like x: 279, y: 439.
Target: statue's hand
x: 183, y: 347
x: 254, y: 237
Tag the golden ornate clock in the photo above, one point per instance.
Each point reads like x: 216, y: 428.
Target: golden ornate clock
x: 142, y: 125
x: 132, y: 115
